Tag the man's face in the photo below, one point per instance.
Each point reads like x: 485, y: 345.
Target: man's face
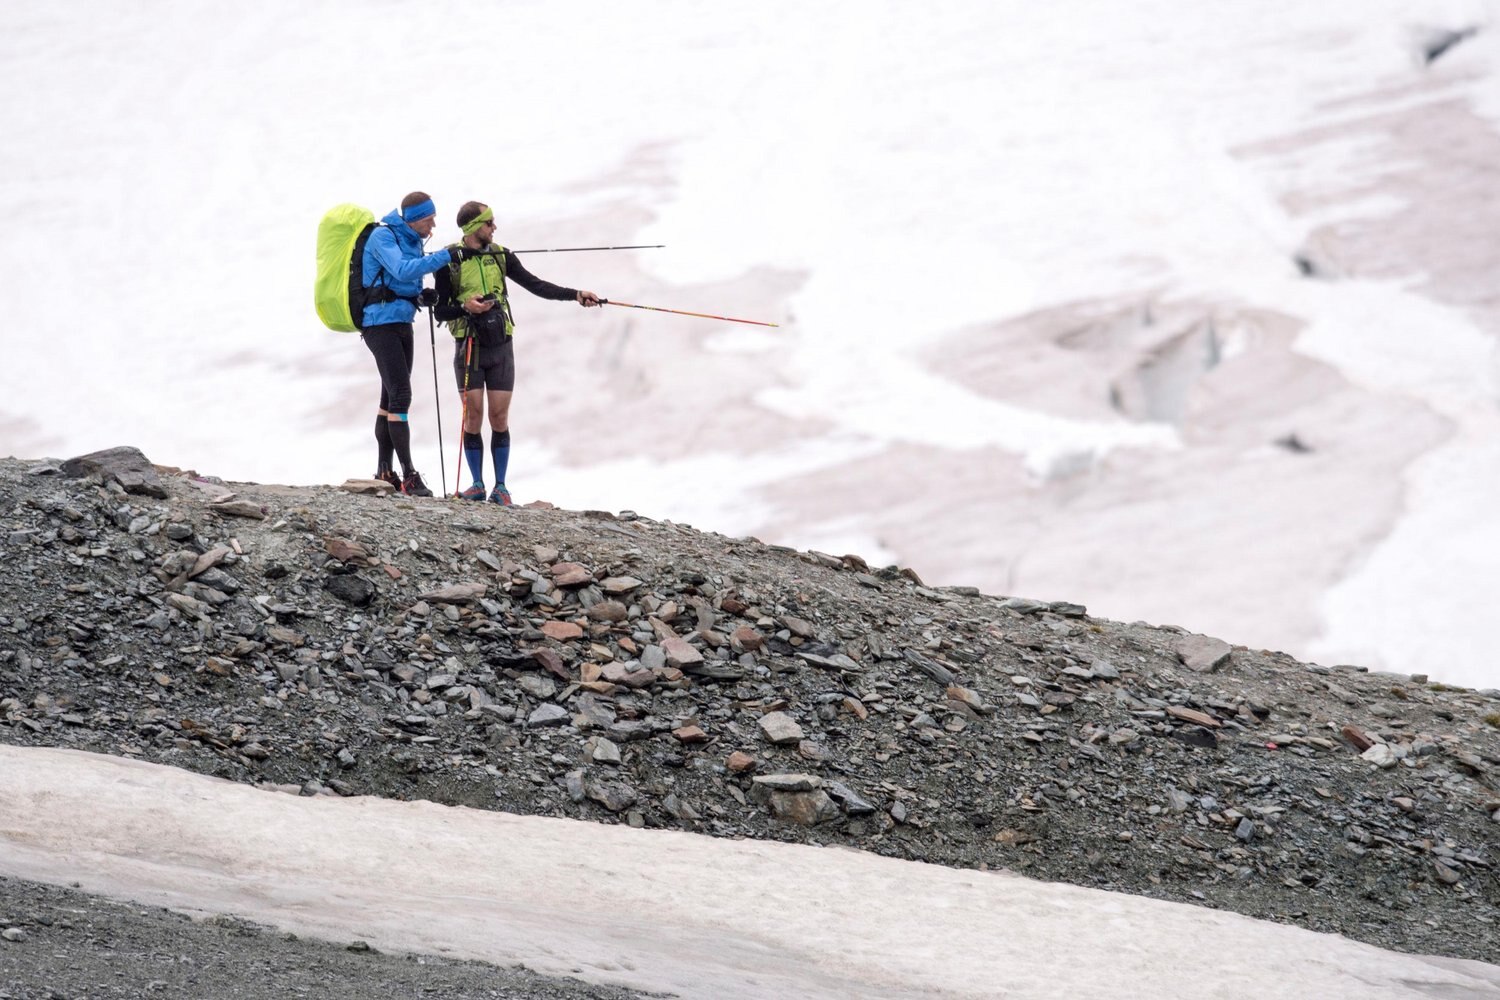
x: 423, y: 227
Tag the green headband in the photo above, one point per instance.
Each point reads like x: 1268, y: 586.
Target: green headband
x: 472, y: 226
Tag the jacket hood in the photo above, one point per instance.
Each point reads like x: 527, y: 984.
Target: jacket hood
x: 405, y: 235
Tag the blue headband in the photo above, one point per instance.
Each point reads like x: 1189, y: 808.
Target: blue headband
x: 421, y: 210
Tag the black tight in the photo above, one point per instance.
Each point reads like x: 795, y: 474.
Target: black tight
x: 391, y: 343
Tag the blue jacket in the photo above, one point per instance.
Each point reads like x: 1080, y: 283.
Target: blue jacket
x: 394, y: 258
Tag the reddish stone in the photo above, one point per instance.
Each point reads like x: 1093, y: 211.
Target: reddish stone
x: 561, y: 631
x: 607, y: 611
x: 680, y: 652
x: 739, y: 762
x: 747, y: 638
x: 566, y: 574
x: 690, y: 734
x: 344, y: 550
x: 799, y: 627
x: 638, y: 679
x: 1189, y: 715
x: 549, y: 661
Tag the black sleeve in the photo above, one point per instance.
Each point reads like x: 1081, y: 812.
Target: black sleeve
x: 516, y: 271
x: 448, y: 308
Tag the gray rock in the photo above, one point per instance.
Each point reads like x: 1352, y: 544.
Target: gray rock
x: 350, y: 588
x: 780, y: 728
x: 538, y: 685
x: 1203, y: 653
x: 853, y: 804
x: 802, y: 808
x: 458, y: 593
x: 932, y: 669
x: 126, y: 466
x: 602, y: 751
x: 1381, y: 755
x: 613, y: 795
x: 678, y: 809
x: 789, y: 782
x: 547, y: 715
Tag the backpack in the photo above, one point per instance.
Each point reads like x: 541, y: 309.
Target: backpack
x: 339, y: 292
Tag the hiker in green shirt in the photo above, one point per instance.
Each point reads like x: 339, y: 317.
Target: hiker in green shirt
x: 472, y: 301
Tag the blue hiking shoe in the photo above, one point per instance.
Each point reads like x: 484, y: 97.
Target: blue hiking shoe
x: 500, y: 495
x: 475, y: 492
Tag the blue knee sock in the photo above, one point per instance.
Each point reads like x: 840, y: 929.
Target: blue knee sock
x: 474, y: 455
x: 500, y: 452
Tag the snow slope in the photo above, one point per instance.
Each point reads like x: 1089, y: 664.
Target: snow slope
x: 900, y: 191
x: 652, y: 910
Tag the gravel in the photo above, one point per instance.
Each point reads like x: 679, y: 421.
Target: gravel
x: 615, y: 669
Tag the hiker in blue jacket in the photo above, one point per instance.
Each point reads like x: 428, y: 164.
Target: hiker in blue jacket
x: 393, y: 267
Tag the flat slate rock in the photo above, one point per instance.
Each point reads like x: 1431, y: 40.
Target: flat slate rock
x: 127, y: 466
x: 1202, y: 653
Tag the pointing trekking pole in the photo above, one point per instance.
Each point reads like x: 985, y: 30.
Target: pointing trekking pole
x: 438, y: 402
x: 684, y: 312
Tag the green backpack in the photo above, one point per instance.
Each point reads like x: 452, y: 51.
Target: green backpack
x: 339, y: 294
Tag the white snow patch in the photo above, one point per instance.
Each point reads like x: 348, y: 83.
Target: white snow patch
x: 653, y: 910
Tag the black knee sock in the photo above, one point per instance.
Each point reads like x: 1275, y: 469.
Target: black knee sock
x: 400, y: 432
x: 383, y: 443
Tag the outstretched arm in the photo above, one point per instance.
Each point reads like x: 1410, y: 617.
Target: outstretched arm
x: 516, y: 271
x: 382, y: 245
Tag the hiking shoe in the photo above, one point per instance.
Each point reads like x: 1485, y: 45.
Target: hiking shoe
x: 475, y: 492
x: 413, y: 486
x: 387, y: 476
x: 500, y: 495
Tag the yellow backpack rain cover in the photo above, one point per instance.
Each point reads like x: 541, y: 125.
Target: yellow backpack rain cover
x: 338, y: 293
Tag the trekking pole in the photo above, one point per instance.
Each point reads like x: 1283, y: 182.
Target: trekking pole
x: 683, y: 312
x: 463, y: 427
x: 437, y: 402
x: 642, y: 246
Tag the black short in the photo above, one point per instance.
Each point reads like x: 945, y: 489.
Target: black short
x: 492, y: 368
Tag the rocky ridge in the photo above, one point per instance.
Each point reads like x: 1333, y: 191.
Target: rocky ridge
x: 613, y: 668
